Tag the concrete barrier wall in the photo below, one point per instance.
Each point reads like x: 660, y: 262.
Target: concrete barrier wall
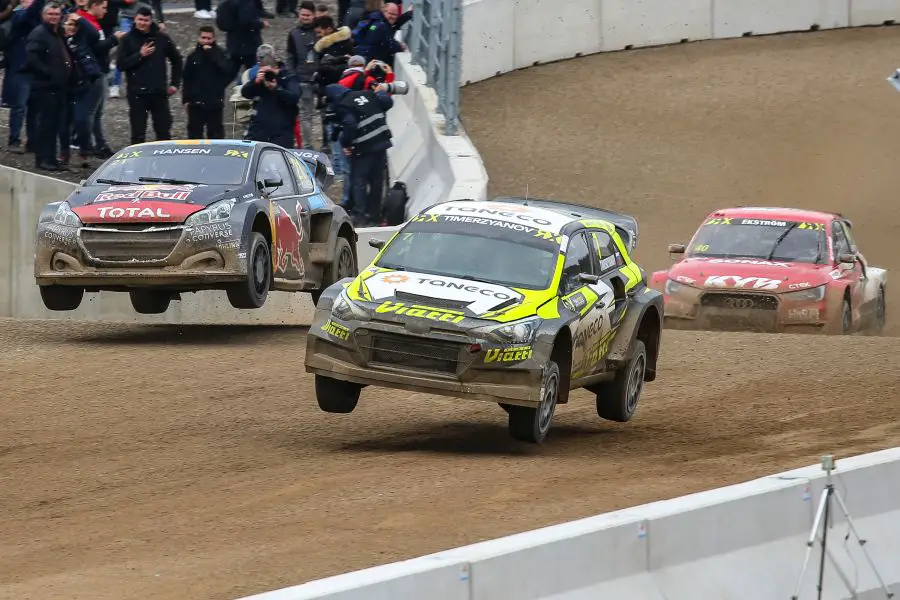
x: 503, y: 35
x: 742, y: 542
x: 23, y: 194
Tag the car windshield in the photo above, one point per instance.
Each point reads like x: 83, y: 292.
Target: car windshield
x: 209, y: 164
x: 499, y: 258
x: 766, y: 239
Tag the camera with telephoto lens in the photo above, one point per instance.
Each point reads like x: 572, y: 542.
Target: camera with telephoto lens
x: 397, y: 88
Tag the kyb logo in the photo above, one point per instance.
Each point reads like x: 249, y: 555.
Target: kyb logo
x: 132, y: 212
x: 756, y: 283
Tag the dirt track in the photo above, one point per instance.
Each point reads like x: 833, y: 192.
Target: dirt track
x: 192, y: 462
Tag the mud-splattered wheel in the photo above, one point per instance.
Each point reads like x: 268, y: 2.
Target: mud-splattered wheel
x: 879, y: 316
x: 61, y: 297
x: 335, y: 395
x: 617, y: 400
x: 846, y: 317
x: 343, y: 265
x: 150, y: 302
x: 528, y: 424
x: 253, y: 291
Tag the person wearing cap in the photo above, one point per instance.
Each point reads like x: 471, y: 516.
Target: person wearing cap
x: 275, y: 92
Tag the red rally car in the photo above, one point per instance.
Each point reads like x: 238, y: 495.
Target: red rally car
x: 772, y: 269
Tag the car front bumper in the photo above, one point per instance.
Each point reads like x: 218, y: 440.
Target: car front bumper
x: 121, y: 257
x: 440, y: 362
x: 739, y: 310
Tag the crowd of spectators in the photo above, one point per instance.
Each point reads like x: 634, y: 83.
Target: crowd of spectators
x: 64, y: 60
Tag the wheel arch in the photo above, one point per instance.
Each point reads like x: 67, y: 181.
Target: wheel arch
x: 650, y: 331
x: 561, y: 354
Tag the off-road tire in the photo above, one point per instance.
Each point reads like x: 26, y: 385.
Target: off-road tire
x: 531, y: 425
x: 336, y: 395
x: 879, y: 318
x: 61, y: 297
x: 846, y: 317
x: 252, y: 292
x: 343, y: 265
x: 617, y: 400
x: 150, y: 302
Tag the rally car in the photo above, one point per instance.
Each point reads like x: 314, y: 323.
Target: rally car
x: 514, y: 301
x: 162, y: 218
x: 773, y: 269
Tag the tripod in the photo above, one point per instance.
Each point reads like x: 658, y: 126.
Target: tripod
x: 823, y: 519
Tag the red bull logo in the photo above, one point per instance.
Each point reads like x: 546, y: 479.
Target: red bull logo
x: 288, y: 241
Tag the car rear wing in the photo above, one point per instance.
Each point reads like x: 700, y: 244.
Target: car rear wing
x: 625, y: 225
x: 320, y: 164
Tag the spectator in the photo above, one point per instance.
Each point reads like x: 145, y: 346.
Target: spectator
x: 330, y: 41
x: 207, y: 72
x: 80, y: 36
x: 17, y: 81
x: 285, y: 8
x: 300, y: 47
x: 333, y: 48
x: 351, y: 12
x: 101, y: 46
x: 242, y: 21
x: 203, y: 9
x: 393, y: 14
x: 143, y: 53
x: 365, y: 138
x: 119, y: 16
x: 50, y: 65
x: 275, y: 92
x: 373, y: 36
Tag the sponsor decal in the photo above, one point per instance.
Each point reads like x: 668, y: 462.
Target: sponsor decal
x: 747, y: 261
x: 506, y: 355
x: 422, y: 312
x: 237, y: 153
x: 452, y: 285
x: 289, y: 240
x: 129, y: 154
x: 137, y: 195
x: 756, y: 283
x: 599, y: 350
x: 803, y: 314
x: 588, y: 331
x: 183, y: 151
x: 575, y: 302
x: 229, y: 245
x: 685, y: 279
x: 61, y: 236
x: 113, y: 196
x: 207, y: 232
x: 799, y: 286
x: 764, y: 222
x: 336, y: 330
x: 515, y: 213
x: 132, y: 212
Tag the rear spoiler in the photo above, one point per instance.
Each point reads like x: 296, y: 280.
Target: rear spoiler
x: 320, y: 164
x: 625, y: 225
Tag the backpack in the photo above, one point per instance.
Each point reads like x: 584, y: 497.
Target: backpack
x: 226, y: 15
x: 393, y: 207
x: 359, y: 32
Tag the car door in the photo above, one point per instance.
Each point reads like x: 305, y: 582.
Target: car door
x: 290, y: 216
x: 841, y: 245
x: 592, y: 301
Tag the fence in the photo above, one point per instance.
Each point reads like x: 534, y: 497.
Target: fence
x: 435, y: 44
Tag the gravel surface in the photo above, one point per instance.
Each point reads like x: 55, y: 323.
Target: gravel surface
x: 182, y: 26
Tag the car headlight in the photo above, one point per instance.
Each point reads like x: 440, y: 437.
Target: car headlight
x: 672, y: 287
x: 518, y: 332
x: 220, y: 211
x: 810, y: 294
x: 345, y: 309
x: 65, y: 216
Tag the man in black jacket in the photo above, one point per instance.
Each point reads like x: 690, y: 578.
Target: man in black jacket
x: 51, y: 66
x: 207, y: 72
x: 275, y: 91
x: 301, y: 50
x: 244, y: 33
x: 143, y: 53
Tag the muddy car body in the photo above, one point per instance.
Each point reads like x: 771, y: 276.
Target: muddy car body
x: 162, y: 218
x: 773, y: 270
x: 510, y: 301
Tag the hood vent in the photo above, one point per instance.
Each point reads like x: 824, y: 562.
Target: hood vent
x: 430, y: 301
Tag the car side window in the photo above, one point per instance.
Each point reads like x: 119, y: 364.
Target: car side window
x: 845, y: 227
x: 272, y: 166
x: 606, y: 251
x: 839, y: 240
x: 302, y: 174
x: 578, y: 260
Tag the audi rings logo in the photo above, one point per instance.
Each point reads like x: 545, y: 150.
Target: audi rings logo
x: 738, y: 302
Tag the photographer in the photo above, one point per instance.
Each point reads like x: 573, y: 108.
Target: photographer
x: 275, y: 92
x: 364, y: 138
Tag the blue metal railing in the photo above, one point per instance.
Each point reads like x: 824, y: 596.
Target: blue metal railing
x: 435, y: 44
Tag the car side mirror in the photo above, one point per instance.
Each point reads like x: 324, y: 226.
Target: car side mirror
x: 847, y: 261
x: 675, y: 250
x: 376, y: 243
x: 272, y: 183
x: 588, y: 278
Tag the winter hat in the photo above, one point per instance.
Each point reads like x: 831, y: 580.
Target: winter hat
x: 356, y: 61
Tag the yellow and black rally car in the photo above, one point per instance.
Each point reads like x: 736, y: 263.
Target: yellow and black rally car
x: 515, y: 301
